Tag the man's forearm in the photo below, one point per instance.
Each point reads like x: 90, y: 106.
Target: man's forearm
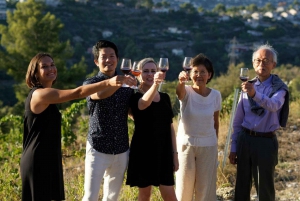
x: 105, y: 93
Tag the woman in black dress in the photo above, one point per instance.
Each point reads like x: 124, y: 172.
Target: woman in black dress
x: 153, y: 154
x: 41, y: 162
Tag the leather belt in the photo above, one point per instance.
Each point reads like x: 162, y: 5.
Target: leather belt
x: 259, y: 134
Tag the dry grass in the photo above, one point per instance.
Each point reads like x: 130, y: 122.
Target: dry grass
x: 287, y: 171
x: 74, y: 169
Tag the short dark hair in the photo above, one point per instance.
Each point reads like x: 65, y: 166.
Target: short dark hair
x: 201, y: 59
x: 32, y: 69
x: 103, y: 44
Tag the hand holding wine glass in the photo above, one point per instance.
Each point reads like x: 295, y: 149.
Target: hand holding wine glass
x: 163, y: 65
x: 158, y: 77
x: 126, y: 68
x: 187, y: 66
x: 244, y: 74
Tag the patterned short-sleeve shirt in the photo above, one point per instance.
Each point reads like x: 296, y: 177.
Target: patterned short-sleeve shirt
x: 108, y: 130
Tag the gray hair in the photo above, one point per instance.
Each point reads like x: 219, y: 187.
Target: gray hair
x: 266, y: 47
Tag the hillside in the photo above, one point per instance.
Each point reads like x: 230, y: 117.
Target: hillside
x: 140, y: 33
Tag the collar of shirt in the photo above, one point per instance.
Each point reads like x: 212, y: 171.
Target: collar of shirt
x: 267, y: 82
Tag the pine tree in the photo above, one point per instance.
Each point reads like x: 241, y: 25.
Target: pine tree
x: 31, y: 30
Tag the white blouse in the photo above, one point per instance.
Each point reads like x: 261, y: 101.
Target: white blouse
x: 196, y: 125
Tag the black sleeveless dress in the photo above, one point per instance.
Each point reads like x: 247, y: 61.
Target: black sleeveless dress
x: 151, y: 150
x: 41, y: 161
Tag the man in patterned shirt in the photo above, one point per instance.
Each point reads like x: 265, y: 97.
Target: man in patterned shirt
x: 107, y: 143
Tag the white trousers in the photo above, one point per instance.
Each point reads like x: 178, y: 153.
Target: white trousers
x: 108, y: 166
x: 197, y: 173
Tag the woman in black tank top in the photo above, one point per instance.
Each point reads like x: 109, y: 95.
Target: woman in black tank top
x: 41, y: 162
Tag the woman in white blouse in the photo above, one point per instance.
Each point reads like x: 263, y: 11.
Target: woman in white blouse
x: 197, y: 135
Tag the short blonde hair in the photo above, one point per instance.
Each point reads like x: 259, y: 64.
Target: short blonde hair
x: 144, y: 61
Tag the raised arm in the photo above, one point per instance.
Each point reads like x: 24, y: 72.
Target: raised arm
x: 180, y: 89
x: 272, y: 104
x: 148, y: 97
x: 115, y: 85
x: 41, y: 98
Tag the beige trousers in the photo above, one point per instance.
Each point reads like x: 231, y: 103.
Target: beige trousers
x: 197, y: 174
x: 100, y: 166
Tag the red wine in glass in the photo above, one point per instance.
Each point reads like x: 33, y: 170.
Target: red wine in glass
x: 163, y: 70
x: 187, y: 68
x: 244, y: 79
x: 244, y: 76
x: 125, y: 70
x: 163, y: 66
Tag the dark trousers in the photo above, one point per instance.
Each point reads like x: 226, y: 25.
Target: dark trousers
x: 257, y: 158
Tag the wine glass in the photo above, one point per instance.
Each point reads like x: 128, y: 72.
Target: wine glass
x: 163, y: 66
x: 244, y: 75
x: 187, y: 65
x: 125, y: 68
x: 135, y: 71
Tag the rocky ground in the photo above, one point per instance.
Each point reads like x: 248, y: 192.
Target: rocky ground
x: 287, y: 175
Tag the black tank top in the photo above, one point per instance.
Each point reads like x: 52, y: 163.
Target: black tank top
x: 41, y: 162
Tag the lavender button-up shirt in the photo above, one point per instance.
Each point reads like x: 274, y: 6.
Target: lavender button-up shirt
x: 268, y: 121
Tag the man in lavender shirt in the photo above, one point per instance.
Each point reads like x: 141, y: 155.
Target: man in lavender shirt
x: 262, y: 109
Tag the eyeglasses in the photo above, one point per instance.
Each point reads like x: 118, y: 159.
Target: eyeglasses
x: 263, y: 61
x: 202, y: 73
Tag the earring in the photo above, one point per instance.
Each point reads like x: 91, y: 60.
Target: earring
x: 37, y: 81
